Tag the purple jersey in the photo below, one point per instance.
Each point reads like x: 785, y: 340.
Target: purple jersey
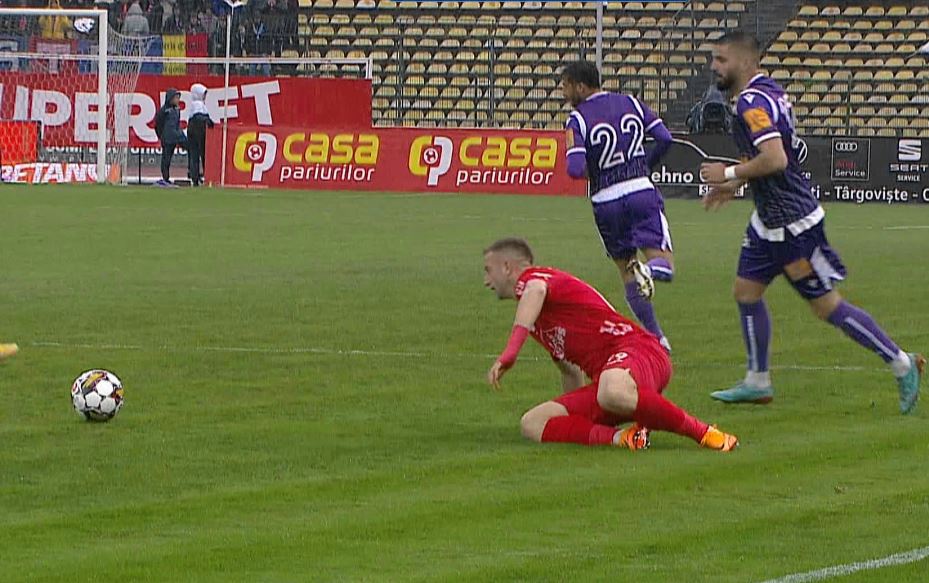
x: 609, y: 130
x: 763, y: 112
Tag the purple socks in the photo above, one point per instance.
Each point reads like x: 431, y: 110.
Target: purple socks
x: 861, y: 327
x: 756, y: 331
x: 661, y: 269
x: 643, y: 310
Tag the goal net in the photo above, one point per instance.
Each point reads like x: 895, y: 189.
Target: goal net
x: 67, y: 82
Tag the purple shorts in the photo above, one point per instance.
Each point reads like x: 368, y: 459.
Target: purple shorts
x: 762, y: 260
x: 631, y: 223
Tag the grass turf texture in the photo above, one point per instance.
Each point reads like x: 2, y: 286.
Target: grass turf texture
x: 298, y: 465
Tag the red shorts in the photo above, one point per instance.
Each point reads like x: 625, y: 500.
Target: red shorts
x: 647, y: 363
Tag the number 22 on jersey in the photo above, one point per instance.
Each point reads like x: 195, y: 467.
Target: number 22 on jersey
x: 615, y: 149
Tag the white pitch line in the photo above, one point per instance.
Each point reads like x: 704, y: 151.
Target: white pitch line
x: 904, y: 558
x: 906, y: 227
x: 393, y: 353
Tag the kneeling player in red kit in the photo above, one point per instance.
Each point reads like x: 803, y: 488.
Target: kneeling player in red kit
x: 585, y: 335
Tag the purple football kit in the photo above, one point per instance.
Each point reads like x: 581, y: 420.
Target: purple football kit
x: 607, y: 134
x: 787, y: 224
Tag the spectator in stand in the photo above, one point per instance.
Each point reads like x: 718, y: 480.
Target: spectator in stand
x: 258, y: 44
x: 112, y: 12
x: 170, y: 23
x: 56, y: 27
x: 135, y: 23
x: 156, y: 17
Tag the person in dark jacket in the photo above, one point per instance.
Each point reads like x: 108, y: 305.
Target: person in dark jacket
x: 168, y: 129
x: 197, y: 124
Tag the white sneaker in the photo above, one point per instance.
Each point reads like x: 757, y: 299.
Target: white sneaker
x: 643, y: 278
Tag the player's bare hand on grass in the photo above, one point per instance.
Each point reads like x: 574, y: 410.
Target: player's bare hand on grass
x: 717, y: 197
x: 496, y: 373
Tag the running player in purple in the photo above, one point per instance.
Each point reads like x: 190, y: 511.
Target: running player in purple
x: 786, y: 234
x: 606, y: 143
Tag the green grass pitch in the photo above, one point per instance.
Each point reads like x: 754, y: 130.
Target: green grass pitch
x: 305, y: 399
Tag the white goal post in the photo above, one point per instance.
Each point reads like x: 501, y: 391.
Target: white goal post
x: 50, y: 98
x: 98, y: 18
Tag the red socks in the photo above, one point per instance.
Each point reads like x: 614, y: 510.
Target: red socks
x: 577, y: 429
x: 658, y: 413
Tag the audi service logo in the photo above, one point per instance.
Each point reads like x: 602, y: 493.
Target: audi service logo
x: 909, y: 150
x: 851, y: 159
x: 845, y: 147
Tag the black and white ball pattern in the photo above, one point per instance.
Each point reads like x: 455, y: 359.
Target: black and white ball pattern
x: 97, y: 395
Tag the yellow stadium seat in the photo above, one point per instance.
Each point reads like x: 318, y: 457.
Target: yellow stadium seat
x: 809, y: 10
x: 920, y: 10
x: 821, y: 24
x: 897, y: 11
x: 853, y: 11
x: 905, y: 25
x: 798, y: 47
x: 821, y: 49
x: 883, y: 25
x: 863, y: 25
x: 875, y: 11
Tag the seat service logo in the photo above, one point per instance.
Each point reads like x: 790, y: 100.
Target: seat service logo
x: 909, y: 150
x: 255, y: 153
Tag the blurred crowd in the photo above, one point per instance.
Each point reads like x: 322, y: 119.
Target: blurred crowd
x: 260, y: 28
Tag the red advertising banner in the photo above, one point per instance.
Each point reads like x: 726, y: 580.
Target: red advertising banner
x: 395, y: 160
x: 197, y: 46
x: 19, y: 142
x: 67, y: 107
x: 49, y: 173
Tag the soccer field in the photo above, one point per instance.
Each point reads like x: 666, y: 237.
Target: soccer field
x: 305, y: 399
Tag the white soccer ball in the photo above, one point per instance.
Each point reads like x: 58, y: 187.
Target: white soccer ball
x: 97, y: 395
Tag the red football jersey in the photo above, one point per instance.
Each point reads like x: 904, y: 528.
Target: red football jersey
x: 577, y: 324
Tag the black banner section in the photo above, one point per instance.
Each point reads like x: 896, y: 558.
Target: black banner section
x: 858, y: 170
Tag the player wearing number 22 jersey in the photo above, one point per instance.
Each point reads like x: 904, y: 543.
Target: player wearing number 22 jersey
x: 786, y: 233
x: 606, y: 143
x: 626, y: 366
